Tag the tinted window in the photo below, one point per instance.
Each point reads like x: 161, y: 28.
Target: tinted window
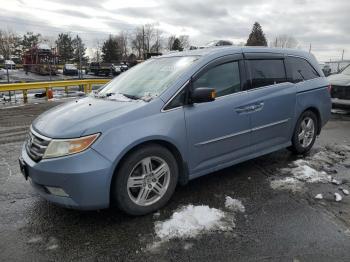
x: 301, y: 70
x: 266, y: 72
x: 223, y: 78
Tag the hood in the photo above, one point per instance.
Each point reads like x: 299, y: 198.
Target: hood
x: 339, y: 80
x: 72, y: 119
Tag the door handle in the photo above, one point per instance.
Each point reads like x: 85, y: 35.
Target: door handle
x: 251, y: 108
x: 258, y: 106
x: 245, y: 109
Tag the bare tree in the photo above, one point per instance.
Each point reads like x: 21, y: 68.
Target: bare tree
x: 122, y: 39
x: 9, y: 44
x: 170, y: 43
x: 149, y: 33
x: 137, y: 42
x: 285, y: 41
x: 157, y: 45
x: 184, y: 41
x: 96, y: 57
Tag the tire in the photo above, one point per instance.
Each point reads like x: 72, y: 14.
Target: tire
x: 136, y: 189
x: 305, y: 133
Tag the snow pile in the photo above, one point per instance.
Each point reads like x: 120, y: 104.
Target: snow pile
x: 190, y: 221
x: 118, y: 97
x: 303, y: 172
x: 288, y: 183
x: 234, y: 204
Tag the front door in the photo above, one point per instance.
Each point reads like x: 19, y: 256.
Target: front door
x: 218, y: 131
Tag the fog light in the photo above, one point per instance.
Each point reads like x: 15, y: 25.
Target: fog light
x: 57, y: 191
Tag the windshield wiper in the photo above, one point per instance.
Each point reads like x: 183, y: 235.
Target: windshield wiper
x: 131, y: 96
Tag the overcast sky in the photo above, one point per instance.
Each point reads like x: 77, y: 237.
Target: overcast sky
x: 323, y: 23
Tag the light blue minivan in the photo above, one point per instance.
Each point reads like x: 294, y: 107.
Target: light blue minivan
x: 171, y: 119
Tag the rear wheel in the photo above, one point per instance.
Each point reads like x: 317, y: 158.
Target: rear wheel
x: 305, y: 133
x: 146, y: 180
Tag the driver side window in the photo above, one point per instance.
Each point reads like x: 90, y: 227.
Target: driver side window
x: 223, y: 78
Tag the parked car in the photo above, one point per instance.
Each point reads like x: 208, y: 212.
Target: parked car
x: 2, y: 73
x: 340, y: 91
x: 219, y: 43
x: 9, y: 64
x: 124, y: 67
x: 70, y: 69
x: 116, y: 70
x: 99, y: 68
x: 171, y: 119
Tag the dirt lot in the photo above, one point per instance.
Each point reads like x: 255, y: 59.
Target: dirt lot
x: 281, y: 219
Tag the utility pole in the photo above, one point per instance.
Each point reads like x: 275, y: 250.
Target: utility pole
x: 310, y: 48
x: 342, y: 55
x: 143, y: 42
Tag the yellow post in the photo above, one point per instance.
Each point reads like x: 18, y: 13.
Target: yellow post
x: 25, y: 96
x: 85, y: 88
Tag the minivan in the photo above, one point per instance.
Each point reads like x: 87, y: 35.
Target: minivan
x: 171, y: 119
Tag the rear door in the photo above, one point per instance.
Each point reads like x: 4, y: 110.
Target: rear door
x: 273, y: 100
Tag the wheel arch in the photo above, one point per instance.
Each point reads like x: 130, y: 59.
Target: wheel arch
x: 183, y: 168
x: 318, y: 115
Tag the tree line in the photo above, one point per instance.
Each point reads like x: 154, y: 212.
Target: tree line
x: 142, y: 42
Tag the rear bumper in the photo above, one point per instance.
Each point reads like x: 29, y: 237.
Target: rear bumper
x: 340, y: 103
x: 85, y: 177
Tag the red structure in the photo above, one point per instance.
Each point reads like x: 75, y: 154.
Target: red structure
x: 40, y: 59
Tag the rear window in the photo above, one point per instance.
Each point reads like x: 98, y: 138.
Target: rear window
x: 301, y: 70
x: 264, y: 72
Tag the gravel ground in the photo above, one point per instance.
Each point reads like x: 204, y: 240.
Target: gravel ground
x: 282, y: 224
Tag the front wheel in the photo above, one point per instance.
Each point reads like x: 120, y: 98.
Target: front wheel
x: 305, y: 133
x: 146, y: 180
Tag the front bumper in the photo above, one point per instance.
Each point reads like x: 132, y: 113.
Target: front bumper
x: 85, y: 177
x: 340, y: 103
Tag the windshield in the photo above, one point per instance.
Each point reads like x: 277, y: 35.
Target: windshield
x: 346, y: 71
x: 69, y: 66
x: 148, y: 79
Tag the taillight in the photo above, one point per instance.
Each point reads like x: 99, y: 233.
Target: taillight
x: 329, y: 88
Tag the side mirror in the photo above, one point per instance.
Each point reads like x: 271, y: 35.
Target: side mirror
x: 203, y: 94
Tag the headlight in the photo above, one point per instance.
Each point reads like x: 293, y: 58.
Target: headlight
x: 63, y: 147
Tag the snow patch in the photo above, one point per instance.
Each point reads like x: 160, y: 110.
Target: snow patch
x: 303, y: 172
x: 338, y: 197
x: 35, y: 239
x: 288, y: 183
x: 345, y: 191
x: 190, y: 221
x: 335, y: 181
x: 319, y: 196
x: 234, y: 204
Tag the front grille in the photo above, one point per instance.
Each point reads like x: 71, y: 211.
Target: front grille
x: 36, y: 145
x: 341, y: 92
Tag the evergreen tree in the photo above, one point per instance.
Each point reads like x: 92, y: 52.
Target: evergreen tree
x: 177, y: 45
x: 257, y: 36
x: 29, y: 40
x: 65, y: 47
x: 111, y: 50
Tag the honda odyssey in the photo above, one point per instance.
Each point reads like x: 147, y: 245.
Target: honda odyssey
x: 171, y: 119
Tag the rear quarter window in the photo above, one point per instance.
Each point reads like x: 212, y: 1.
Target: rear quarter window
x: 301, y: 70
x: 265, y: 72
